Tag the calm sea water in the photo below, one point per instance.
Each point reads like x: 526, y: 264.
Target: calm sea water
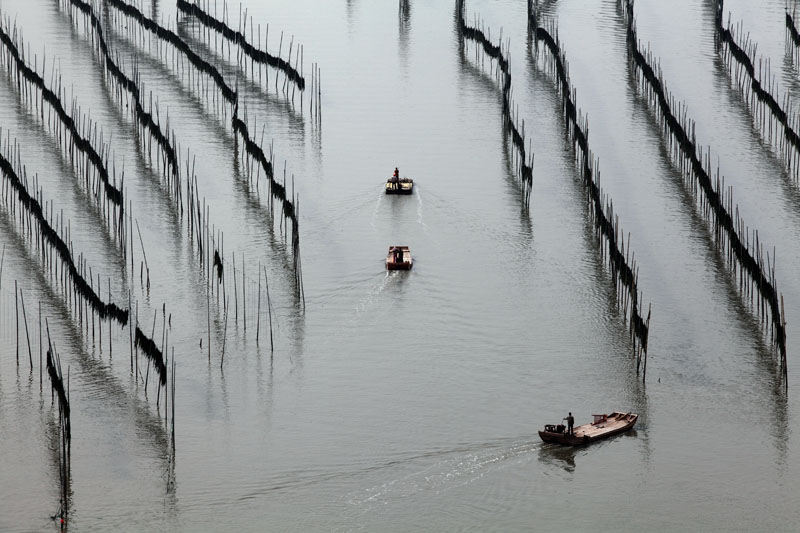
x: 410, y: 400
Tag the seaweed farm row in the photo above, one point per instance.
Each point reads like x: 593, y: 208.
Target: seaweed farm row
x: 152, y: 159
x: 68, y: 277
x: 739, y: 244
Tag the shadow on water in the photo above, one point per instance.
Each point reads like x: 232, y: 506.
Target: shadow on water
x: 564, y: 457
x: 258, y: 212
x: 724, y: 82
x: 480, y: 77
x: 81, y: 197
x: 244, y: 82
x: 404, y: 32
x: 229, y: 141
x: 143, y: 161
x: 105, y: 384
x: 120, y: 42
x: 351, y: 14
x: 559, y: 456
x: 603, y: 275
x: 744, y: 315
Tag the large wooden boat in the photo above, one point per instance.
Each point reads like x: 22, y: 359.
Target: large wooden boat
x: 603, y: 426
x: 399, y: 258
x: 399, y: 186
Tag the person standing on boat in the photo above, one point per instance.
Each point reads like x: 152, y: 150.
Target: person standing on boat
x: 396, y: 179
x: 570, y: 422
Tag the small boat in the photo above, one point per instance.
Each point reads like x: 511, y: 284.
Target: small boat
x: 602, y: 427
x: 399, y: 258
x: 399, y: 186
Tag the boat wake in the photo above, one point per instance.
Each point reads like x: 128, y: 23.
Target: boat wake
x: 374, y: 294
x: 376, y: 210
x: 457, y: 468
x: 420, y: 220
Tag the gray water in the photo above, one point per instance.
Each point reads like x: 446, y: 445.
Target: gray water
x: 410, y: 400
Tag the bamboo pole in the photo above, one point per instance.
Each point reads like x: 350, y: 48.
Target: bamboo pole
x: 27, y: 335
x: 16, y: 305
x: 269, y: 310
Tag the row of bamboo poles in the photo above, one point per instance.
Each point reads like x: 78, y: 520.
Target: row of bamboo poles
x: 60, y: 388
x: 81, y: 296
x: 35, y: 212
x: 58, y: 256
x: 210, y: 241
x: 607, y: 226
x: 794, y: 35
x: 75, y: 133
x: 148, y: 120
x: 173, y: 39
x: 289, y: 204
x: 500, y: 54
x: 198, y: 223
x: 170, y: 167
x: 741, y: 246
x: 201, y: 230
x: 759, y: 87
x: 292, y: 75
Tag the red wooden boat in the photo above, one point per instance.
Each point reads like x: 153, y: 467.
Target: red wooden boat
x: 602, y: 427
x: 399, y: 258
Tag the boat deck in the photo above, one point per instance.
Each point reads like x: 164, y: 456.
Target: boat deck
x: 595, y: 429
x: 602, y: 427
x: 406, y: 262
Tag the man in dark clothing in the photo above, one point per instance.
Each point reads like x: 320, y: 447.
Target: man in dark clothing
x: 570, y: 422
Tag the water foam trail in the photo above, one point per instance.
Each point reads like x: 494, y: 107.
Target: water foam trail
x: 377, y: 209
x: 458, y: 468
x: 420, y: 220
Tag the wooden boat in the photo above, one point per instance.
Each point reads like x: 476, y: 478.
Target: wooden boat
x: 401, y: 261
x: 401, y: 186
x: 603, y: 426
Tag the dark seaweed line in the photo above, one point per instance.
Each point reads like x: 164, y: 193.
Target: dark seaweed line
x: 145, y: 118
x: 65, y: 426
x: 714, y: 198
x: 790, y: 26
x: 172, y: 38
x: 103, y: 310
x: 57, y: 384
x: 496, y: 53
x: 255, y: 151
x: 739, y: 54
x: 85, y: 146
x: 240, y: 40
x: 639, y: 328
x: 278, y: 190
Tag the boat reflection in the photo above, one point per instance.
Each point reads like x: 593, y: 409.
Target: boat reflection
x: 557, y: 455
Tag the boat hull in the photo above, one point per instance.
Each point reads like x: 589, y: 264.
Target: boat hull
x: 588, y: 433
x: 402, y: 187
x: 406, y: 263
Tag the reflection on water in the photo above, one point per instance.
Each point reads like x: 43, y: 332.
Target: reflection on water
x: 560, y: 456
x: 410, y: 400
